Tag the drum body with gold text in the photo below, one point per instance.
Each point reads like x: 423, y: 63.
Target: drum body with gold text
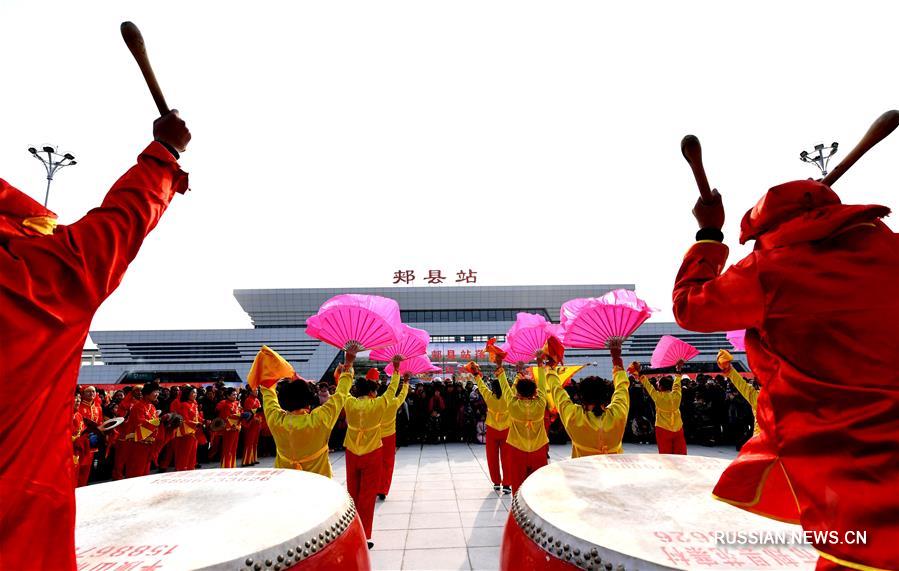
x: 249, y: 520
x: 626, y: 512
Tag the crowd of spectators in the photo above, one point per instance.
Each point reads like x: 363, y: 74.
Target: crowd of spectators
x: 452, y: 410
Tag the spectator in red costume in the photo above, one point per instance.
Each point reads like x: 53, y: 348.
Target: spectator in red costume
x: 142, y: 431
x: 229, y: 411
x: 52, y: 280
x: 250, y: 426
x: 819, y: 296
x: 91, y: 411
x: 117, y: 441
x: 190, y: 433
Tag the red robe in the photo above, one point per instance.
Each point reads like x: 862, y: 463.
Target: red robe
x: 820, y: 298
x: 50, y: 288
x: 93, y: 412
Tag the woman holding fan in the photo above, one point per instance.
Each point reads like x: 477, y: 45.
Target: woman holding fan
x: 364, y: 412
x: 596, y: 426
x: 497, y: 427
x: 388, y: 437
x: 669, y: 425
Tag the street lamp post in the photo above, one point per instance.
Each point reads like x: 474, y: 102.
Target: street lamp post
x: 820, y: 156
x: 52, y: 163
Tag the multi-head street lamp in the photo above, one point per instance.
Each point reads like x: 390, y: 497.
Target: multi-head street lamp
x: 52, y: 163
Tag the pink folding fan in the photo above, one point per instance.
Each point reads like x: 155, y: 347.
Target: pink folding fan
x: 589, y: 323
x: 414, y: 366
x: 368, y: 321
x: 413, y: 344
x: 529, y: 334
x: 670, y: 350
x: 513, y: 356
x: 737, y: 339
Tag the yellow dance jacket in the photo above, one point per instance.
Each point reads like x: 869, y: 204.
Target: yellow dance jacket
x: 363, y: 418
x: 497, y: 408
x: 667, y: 404
x: 526, y: 430
x: 388, y: 423
x: 300, y: 437
x: 591, y: 434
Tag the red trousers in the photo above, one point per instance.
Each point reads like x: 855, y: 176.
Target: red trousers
x: 363, y: 477
x: 137, y: 460
x: 498, y: 455
x: 166, y: 455
x: 523, y: 464
x: 671, y: 442
x: 84, y: 467
x: 229, y: 448
x: 388, y: 459
x: 120, y: 458
x: 250, y: 443
x: 185, y: 452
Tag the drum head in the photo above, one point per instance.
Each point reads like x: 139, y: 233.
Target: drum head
x: 645, y: 511
x: 110, y: 424
x: 209, y: 519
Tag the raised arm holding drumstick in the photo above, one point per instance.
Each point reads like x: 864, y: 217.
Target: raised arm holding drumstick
x: 818, y: 297
x: 53, y: 279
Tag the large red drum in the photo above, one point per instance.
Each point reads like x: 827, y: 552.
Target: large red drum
x: 247, y: 520
x: 642, y: 511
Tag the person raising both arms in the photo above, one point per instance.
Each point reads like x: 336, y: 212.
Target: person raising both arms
x: 364, y: 412
x: 597, y: 425
x: 669, y: 425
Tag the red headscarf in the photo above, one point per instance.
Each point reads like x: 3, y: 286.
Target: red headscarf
x: 373, y: 375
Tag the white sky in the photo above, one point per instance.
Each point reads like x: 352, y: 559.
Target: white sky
x: 534, y: 142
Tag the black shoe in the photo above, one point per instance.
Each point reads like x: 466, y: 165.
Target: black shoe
x: 382, y: 496
x: 370, y: 544
x: 496, y: 487
x: 507, y: 490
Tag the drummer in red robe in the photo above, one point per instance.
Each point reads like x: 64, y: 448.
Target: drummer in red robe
x: 79, y: 446
x: 143, y: 432
x: 229, y: 411
x: 117, y: 442
x: 52, y: 280
x: 250, y: 428
x: 819, y: 297
x: 91, y: 411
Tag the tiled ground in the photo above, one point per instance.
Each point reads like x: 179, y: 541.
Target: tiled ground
x: 442, y: 512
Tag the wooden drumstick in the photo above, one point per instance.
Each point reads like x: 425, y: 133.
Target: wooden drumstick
x: 135, y: 42
x: 883, y: 126
x: 692, y: 151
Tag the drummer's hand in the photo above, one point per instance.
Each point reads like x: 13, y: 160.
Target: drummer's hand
x: 171, y: 130
x: 710, y: 213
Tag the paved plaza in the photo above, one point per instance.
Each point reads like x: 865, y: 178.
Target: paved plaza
x: 442, y: 512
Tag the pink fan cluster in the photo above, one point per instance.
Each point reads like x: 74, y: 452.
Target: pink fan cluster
x: 590, y: 323
x: 373, y: 324
x: 670, y: 350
